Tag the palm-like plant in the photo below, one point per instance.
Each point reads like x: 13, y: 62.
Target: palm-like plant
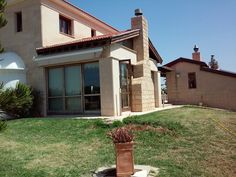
x: 3, y: 20
x: 16, y: 101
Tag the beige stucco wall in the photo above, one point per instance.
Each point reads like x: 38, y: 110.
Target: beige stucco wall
x: 25, y: 42
x: 212, y: 90
x: 123, y: 53
x: 110, y: 87
x: 50, y: 12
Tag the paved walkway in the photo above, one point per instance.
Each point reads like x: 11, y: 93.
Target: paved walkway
x: 127, y: 114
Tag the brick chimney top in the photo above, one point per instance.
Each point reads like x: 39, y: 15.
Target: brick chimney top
x: 138, y: 12
x: 196, y: 54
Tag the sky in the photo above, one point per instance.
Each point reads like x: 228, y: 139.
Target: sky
x: 175, y: 26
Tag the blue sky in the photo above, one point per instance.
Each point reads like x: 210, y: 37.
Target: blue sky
x: 176, y: 25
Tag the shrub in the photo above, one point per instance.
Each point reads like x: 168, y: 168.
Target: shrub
x: 117, y: 124
x: 3, y: 125
x: 35, y: 110
x: 16, y: 101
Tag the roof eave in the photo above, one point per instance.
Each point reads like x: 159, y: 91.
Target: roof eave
x: 156, y: 54
x: 89, y: 15
x: 106, y: 40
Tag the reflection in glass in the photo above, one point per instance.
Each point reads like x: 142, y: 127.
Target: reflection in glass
x: 73, y: 80
x: 92, y: 103
x: 73, y: 104
x: 55, y: 82
x: 91, y: 78
x: 125, y: 100
x: 55, y: 104
x: 65, y: 85
x: 125, y: 85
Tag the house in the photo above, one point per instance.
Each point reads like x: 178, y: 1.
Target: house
x: 80, y: 64
x: 191, y: 81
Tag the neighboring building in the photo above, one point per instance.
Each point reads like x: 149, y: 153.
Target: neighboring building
x: 79, y: 63
x: 191, y: 81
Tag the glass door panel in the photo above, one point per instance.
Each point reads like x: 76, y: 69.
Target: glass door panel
x: 73, y: 89
x: 73, y: 80
x: 91, y: 87
x: 125, y: 85
x: 92, y: 103
x: 55, y: 104
x: 73, y: 104
x: 55, y: 82
x: 55, y: 89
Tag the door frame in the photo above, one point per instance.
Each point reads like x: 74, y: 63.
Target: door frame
x: 129, y: 75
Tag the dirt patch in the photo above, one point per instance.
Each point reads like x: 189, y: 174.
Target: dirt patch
x: 9, y: 144
x: 134, y: 127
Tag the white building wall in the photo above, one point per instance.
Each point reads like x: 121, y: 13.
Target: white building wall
x: 11, y: 77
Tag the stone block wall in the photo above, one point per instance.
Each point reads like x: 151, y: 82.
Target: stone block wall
x: 143, y: 96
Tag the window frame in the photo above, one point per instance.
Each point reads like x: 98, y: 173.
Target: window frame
x: 192, y: 80
x: 69, y: 31
x: 64, y: 96
x: 93, y: 33
x: 18, y: 22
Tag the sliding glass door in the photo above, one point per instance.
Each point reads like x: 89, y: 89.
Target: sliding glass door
x: 74, y: 89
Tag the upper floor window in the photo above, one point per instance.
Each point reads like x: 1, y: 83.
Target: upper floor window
x: 19, y: 26
x: 192, y: 83
x: 93, y: 33
x: 65, y: 25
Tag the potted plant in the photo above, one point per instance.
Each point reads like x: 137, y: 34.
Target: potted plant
x: 123, y: 141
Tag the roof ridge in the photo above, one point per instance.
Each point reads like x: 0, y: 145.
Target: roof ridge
x: 182, y: 59
x: 69, y: 3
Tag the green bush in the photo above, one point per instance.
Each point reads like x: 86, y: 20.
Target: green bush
x: 16, y: 101
x: 3, y: 125
x: 35, y: 110
x: 117, y: 124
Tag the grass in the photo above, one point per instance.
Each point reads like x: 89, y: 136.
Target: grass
x: 194, y: 145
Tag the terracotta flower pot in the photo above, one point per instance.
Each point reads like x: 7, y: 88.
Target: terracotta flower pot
x: 124, y: 159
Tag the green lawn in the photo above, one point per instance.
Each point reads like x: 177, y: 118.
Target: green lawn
x: 191, y: 144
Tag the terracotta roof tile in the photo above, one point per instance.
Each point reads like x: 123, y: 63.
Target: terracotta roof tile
x: 89, y: 39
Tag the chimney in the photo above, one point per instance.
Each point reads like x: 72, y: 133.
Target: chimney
x: 141, y: 43
x: 196, y: 53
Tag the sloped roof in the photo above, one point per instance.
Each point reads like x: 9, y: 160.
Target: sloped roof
x: 181, y: 59
x: 203, y: 66
x: 112, y: 36
x: 103, y: 39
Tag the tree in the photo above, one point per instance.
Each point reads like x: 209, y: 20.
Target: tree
x: 3, y: 20
x: 213, y: 64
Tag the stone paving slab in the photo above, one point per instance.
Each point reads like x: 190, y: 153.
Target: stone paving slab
x: 141, y: 171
